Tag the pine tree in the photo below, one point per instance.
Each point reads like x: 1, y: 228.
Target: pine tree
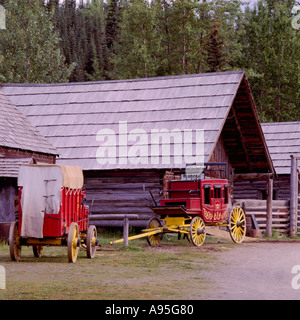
x: 112, y: 34
x: 216, y: 56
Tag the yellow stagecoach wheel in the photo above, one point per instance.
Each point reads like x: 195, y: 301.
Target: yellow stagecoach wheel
x: 73, y: 242
x: 37, y: 251
x: 197, y: 231
x: 237, y: 224
x: 155, y: 239
x: 14, y: 242
x: 91, y: 242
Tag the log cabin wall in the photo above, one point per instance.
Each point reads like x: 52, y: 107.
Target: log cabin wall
x: 122, y: 192
x: 10, y: 160
x: 21, y: 154
x: 8, y: 193
x: 257, y: 189
x: 220, y: 155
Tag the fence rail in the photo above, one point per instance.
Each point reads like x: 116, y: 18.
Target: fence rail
x: 280, y: 213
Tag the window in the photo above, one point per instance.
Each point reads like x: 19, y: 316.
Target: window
x: 226, y: 194
x: 206, y: 194
x: 218, y: 192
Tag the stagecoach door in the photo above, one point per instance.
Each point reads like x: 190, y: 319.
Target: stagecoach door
x: 217, y: 199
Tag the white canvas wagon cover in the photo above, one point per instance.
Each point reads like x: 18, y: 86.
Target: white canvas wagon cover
x: 41, y: 193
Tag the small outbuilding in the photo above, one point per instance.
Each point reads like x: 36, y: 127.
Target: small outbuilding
x: 20, y: 143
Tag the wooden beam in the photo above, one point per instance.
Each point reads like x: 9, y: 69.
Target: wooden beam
x: 251, y: 176
x: 293, y: 196
x: 269, y: 206
x: 113, y: 216
x: 241, y: 137
x: 125, y: 231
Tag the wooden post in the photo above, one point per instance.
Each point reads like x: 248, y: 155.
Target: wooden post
x: 125, y: 231
x: 293, y: 196
x: 269, y: 206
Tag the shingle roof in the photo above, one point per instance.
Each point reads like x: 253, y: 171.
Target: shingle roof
x: 70, y: 115
x: 283, y: 140
x: 9, y: 167
x: 18, y: 133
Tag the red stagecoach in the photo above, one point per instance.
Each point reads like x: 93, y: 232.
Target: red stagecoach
x: 189, y: 205
x: 52, y: 212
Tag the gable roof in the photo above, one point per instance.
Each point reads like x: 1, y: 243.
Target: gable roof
x: 71, y: 115
x: 18, y: 133
x: 283, y: 140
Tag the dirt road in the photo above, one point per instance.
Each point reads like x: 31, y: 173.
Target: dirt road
x: 257, y: 271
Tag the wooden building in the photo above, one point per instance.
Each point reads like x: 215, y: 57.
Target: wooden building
x: 20, y: 143
x: 283, y: 140
x: 106, y: 128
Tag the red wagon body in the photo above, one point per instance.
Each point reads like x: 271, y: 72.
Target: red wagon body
x: 71, y: 210
x: 52, y: 211
x: 207, y: 198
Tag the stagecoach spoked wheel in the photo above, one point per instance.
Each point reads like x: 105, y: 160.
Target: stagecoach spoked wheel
x: 14, y: 242
x: 155, y: 239
x: 73, y: 242
x: 91, y: 242
x: 197, y: 231
x: 237, y: 224
x: 37, y: 251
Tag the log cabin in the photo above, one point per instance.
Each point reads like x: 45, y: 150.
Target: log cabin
x: 110, y: 129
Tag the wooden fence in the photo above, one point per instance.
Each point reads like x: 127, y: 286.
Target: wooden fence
x: 258, y: 208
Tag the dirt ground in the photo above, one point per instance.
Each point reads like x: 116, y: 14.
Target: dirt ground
x: 216, y: 271
x: 259, y: 271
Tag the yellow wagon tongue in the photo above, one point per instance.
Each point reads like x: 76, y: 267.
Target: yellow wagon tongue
x: 167, y: 210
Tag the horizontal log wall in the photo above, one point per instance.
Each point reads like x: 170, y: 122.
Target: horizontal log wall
x: 280, y: 215
x: 257, y: 189
x: 118, y: 193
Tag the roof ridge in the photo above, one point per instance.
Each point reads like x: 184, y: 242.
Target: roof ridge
x: 122, y: 80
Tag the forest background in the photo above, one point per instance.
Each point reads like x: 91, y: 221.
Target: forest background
x: 68, y: 41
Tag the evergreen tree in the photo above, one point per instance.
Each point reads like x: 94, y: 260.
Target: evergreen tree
x: 112, y: 33
x: 216, y: 57
x: 30, y: 46
x: 271, y: 59
x: 138, y: 45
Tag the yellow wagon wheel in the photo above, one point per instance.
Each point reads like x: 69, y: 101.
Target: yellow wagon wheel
x: 14, y: 242
x: 37, y: 251
x: 197, y: 231
x: 155, y: 239
x: 91, y: 242
x: 73, y: 242
x: 237, y: 224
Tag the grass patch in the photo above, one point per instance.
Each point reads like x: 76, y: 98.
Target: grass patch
x: 171, y: 271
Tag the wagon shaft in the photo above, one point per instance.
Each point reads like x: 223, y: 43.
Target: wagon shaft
x: 147, y: 233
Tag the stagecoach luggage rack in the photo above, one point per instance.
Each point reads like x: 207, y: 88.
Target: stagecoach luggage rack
x: 222, y: 172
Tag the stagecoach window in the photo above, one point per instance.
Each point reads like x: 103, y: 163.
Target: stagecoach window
x: 206, y: 194
x: 218, y: 191
x: 226, y: 194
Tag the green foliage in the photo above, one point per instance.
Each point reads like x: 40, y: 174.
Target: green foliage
x: 96, y: 40
x: 30, y: 46
x: 271, y: 49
